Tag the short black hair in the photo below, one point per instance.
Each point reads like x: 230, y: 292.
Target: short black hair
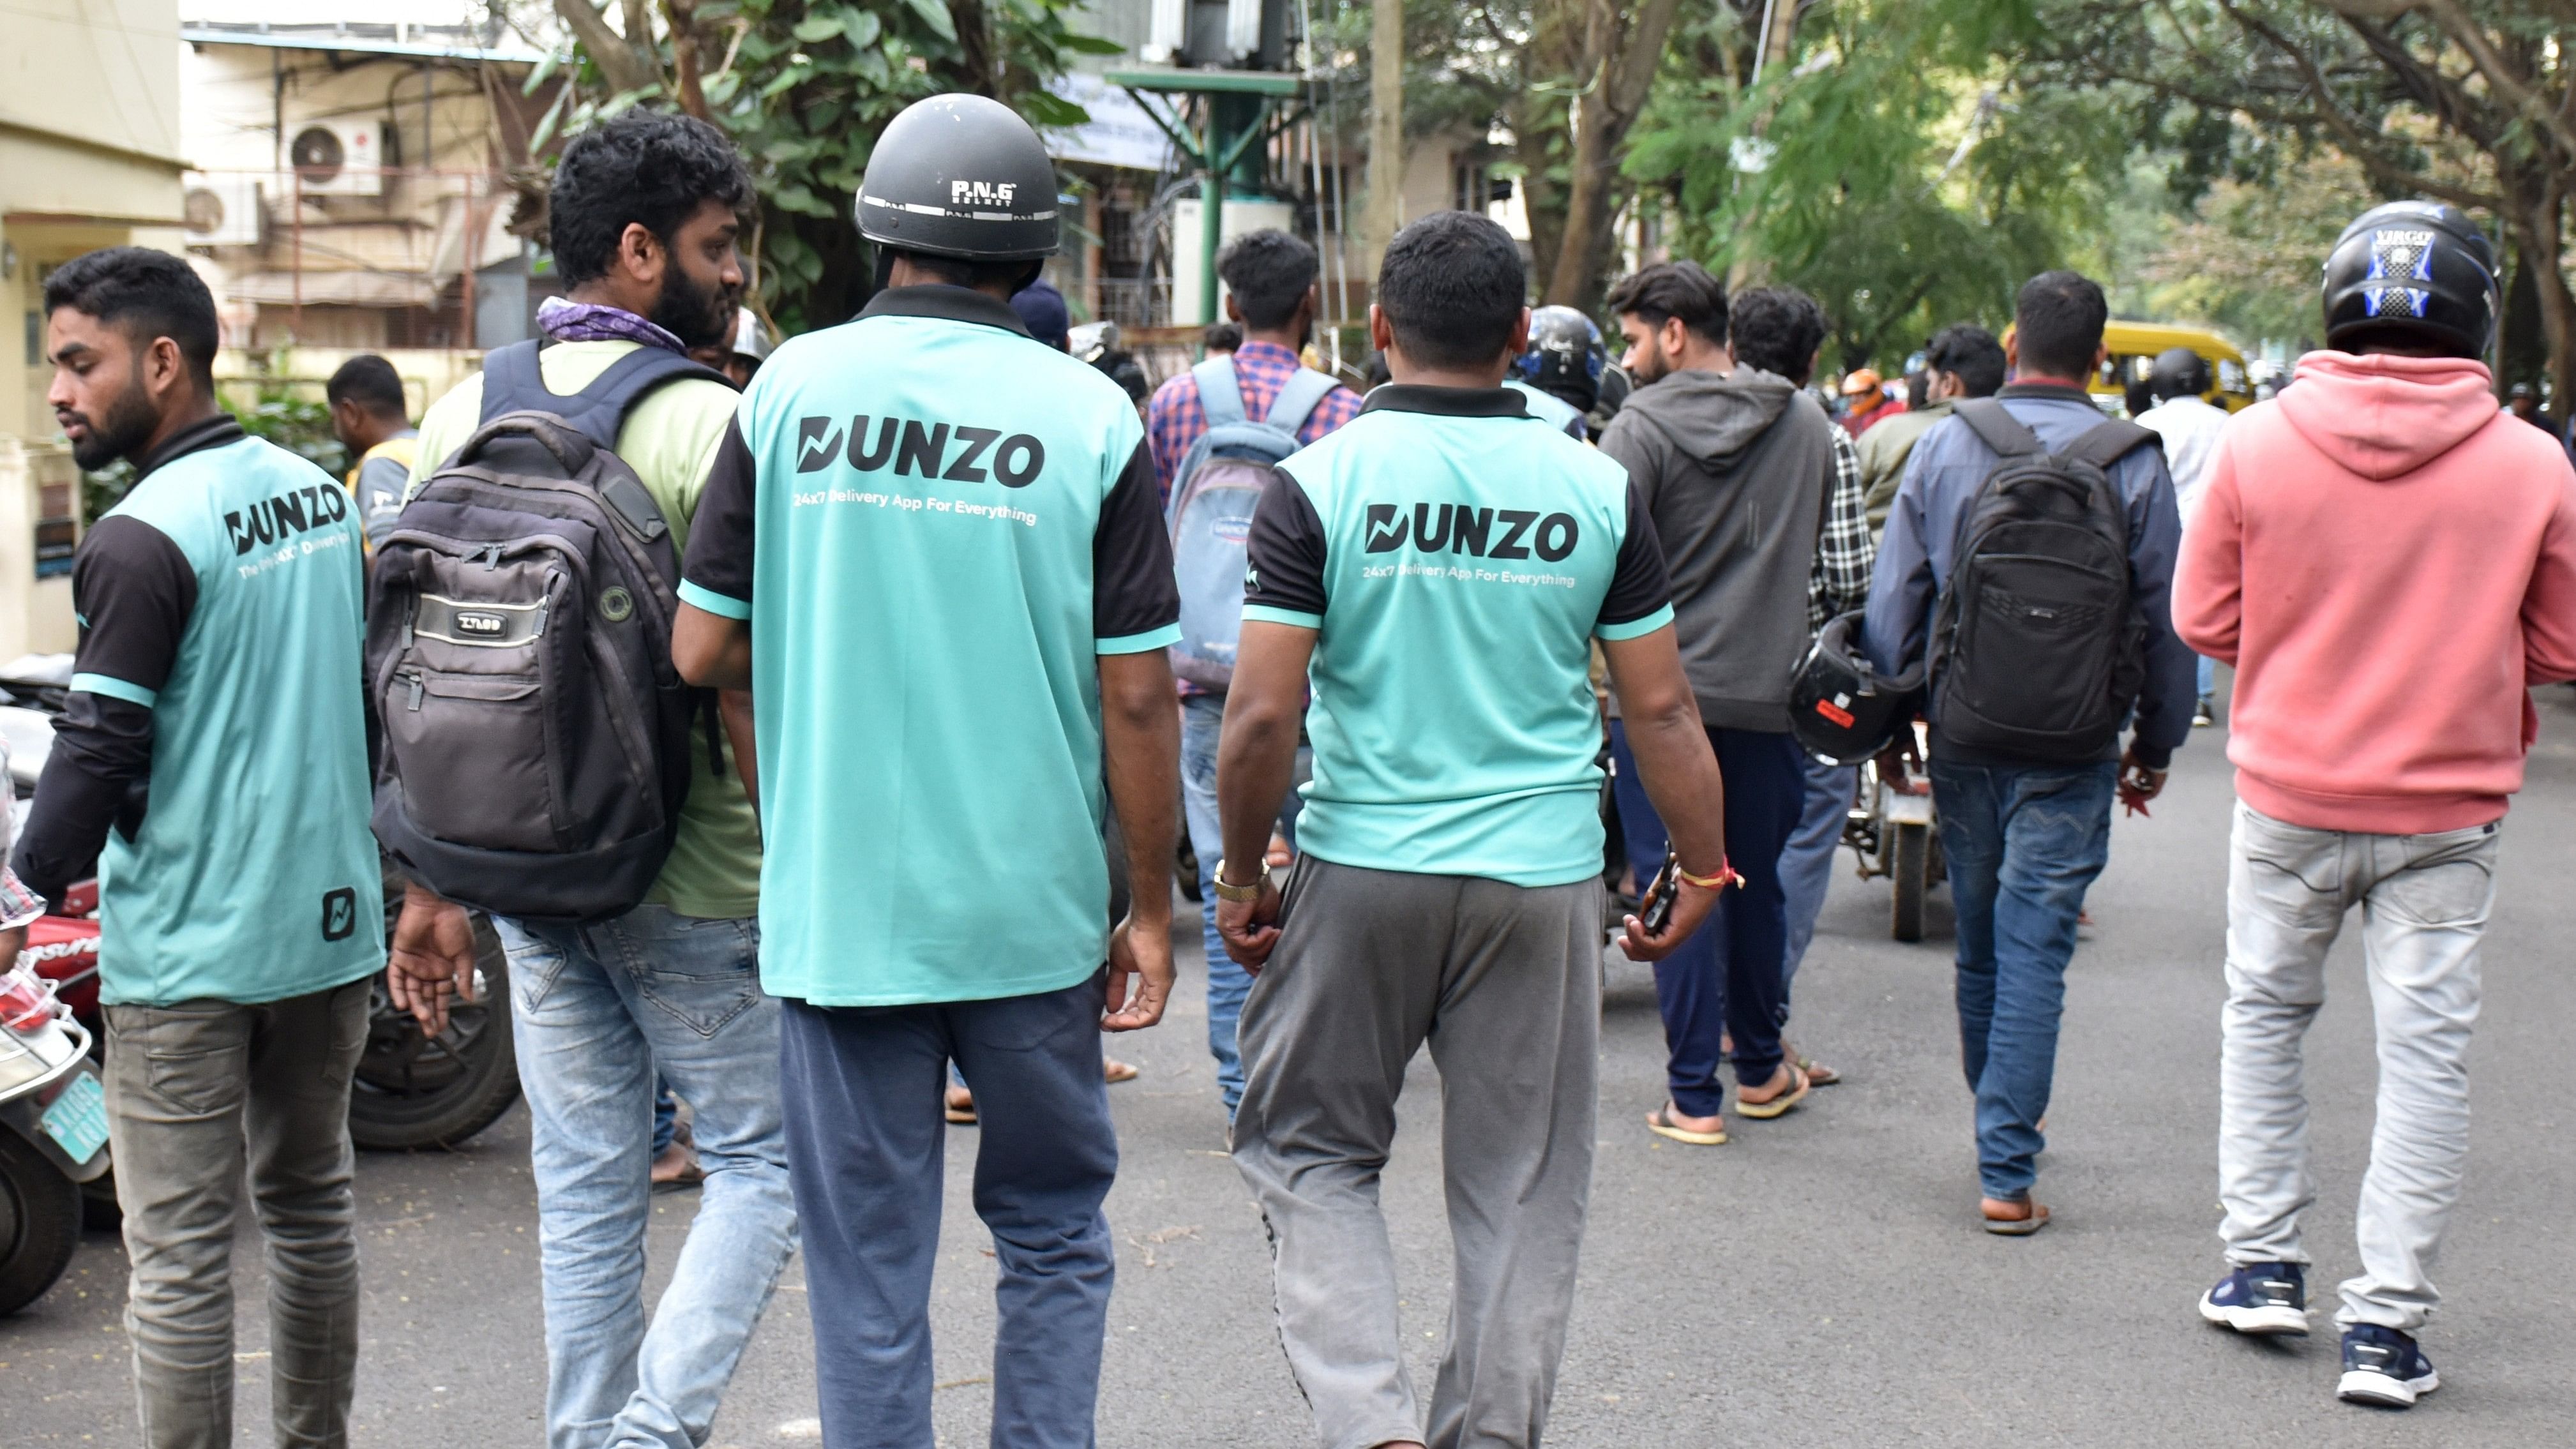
x: 372, y: 383
x: 1969, y: 353
x: 1452, y: 287
x: 147, y: 294
x: 647, y: 167
x: 1268, y: 271
x: 1222, y: 337
x: 1668, y: 290
x: 1776, y: 329
x: 2057, y: 324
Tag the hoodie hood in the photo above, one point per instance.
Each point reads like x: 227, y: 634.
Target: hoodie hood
x: 1710, y: 417
x: 2382, y: 416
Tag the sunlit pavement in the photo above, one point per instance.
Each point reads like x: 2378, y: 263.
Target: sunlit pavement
x: 1819, y: 1281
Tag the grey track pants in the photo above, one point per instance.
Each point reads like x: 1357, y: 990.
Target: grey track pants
x: 2424, y: 902
x: 196, y: 1093
x: 1504, y: 983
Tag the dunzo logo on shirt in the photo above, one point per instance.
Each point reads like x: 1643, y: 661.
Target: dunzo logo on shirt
x: 272, y: 520
x: 919, y: 448
x: 1481, y: 532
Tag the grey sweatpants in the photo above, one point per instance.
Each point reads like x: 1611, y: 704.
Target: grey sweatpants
x: 196, y: 1093
x: 1504, y: 982
x: 2424, y: 901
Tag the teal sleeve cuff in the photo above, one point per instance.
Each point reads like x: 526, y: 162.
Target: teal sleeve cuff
x: 114, y: 688
x: 1163, y: 638
x: 723, y: 606
x: 1294, y: 618
x: 1634, y: 628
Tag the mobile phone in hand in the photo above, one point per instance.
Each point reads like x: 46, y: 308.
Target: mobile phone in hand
x: 1656, y: 910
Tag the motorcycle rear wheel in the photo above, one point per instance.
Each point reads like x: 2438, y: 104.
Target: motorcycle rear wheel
x: 40, y: 1221
x: 411, y: 1092
x: 1910, y: 862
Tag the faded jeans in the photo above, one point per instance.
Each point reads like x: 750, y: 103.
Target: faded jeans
x: 2424, y: 903
x: 1202, y: 715
x: 2024, y: 843
x: 1807, y: 862
x: 196, y: 1093
x: 599, y: 1010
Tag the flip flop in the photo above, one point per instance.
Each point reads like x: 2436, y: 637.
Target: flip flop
x: 1114, y: 1071
x: 961, y: 1116
x: 1817, y: 1072
x: 2021, y: 1227
x: 1799, y: 1085
x: 1663, y: 1126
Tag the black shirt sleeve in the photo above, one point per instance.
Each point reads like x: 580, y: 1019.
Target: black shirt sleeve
x: 1284, y: 557
x: 1638, y: 586
x: 720, y: 532
x: 134, y: 593
x: 1133, y: 590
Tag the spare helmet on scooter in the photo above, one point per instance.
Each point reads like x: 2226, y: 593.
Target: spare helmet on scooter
x: 960, y: 176
x: 1840, y: 710
x: 2417, y: 271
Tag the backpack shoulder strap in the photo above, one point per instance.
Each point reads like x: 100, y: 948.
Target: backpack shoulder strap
x: 1298, y: 398
x: 2110, y: 440
x: 1998, y: 429
x: 513, y: 382
x: 1220, y: 396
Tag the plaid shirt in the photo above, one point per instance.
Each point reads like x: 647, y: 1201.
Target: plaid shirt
x: 1839, y: 582
x: 1175, y: 418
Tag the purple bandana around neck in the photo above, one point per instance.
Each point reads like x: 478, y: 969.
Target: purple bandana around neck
x: 567, y: 321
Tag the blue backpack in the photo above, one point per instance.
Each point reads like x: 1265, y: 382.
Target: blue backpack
x: 1210, y: 513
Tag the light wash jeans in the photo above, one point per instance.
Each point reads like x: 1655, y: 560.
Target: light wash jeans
x: 599, y: 1011
x: 2424, y: 903
x: 1202, y: 715
x: 1807, y: 863
x: 2024, y: 843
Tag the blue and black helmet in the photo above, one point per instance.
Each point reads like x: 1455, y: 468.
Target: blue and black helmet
x: 2413, y: 269
x: 1565, y: 356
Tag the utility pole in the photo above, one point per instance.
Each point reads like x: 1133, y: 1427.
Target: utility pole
x: 1386, y: 122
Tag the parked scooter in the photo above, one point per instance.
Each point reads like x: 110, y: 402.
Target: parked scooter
x: 53, y: 1135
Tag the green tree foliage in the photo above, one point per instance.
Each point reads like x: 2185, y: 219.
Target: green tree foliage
x: 1893, y: 166
x: 804, y: 87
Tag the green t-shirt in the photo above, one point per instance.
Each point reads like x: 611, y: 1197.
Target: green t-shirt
x: 670, y: 440
x: 224, y: 594
x: 934, y: 526
x: 1457, y: 556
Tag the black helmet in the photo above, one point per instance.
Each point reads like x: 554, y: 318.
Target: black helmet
x: 2179, y: 372
x: 960, y: 176
x: 2416, y: 268
x: 1840, y: 711
x: 1565, y: 357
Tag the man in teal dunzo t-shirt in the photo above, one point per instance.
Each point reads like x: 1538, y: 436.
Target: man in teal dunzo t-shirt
x: 1437, y: 569
x: 213, y: 761
x: 931, y: 549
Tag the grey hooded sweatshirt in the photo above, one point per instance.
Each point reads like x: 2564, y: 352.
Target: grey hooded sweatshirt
x: 1737, y: 471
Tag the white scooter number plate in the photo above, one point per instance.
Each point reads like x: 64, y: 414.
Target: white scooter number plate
x: 77, y: 1120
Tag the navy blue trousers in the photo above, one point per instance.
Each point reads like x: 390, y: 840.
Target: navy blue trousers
x: 865, y: 1147
x: 1728, y: 978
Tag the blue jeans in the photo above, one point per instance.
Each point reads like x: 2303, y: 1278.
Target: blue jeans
x: 862, y: 1086
x: 1807, y: 862
x: 2024, y: 843
x: 599, y: 1011
x: 1727, y: 979
x: 1202, y: 715
x: 666, y: 1117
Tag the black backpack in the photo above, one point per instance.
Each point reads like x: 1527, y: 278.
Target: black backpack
x: 535, y: 736
x: 2037, y: 651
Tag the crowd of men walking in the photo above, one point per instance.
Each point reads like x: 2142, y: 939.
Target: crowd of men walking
x: 778, y: 726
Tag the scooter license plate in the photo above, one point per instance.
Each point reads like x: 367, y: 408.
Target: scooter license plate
x: 77, y: 1120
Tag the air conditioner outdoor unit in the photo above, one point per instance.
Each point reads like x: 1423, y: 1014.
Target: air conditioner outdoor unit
x: 222, y: 211
x: 339, y: 158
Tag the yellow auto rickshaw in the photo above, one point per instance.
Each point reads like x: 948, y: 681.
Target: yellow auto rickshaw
x: 2134, y: 345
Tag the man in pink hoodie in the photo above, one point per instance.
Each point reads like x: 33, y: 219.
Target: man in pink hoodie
x: 2389, y: 563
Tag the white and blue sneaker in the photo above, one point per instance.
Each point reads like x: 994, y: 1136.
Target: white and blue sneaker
x: 2384, y: 1367
x: 2260, y: 1298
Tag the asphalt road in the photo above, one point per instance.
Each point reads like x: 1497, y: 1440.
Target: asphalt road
x: 1820, y: 1281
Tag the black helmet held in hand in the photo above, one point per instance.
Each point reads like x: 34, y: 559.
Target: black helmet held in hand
x: 960, y: 176
x: 2414, y: 271
x: 1840, y: 710
x: 1565, y: 357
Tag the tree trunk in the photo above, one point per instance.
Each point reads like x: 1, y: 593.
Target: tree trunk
x: 1628, y: 52
x: 1386, y: 124
x: 628, y: 67
x: 1541, y: 120
x: 685, y: 62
